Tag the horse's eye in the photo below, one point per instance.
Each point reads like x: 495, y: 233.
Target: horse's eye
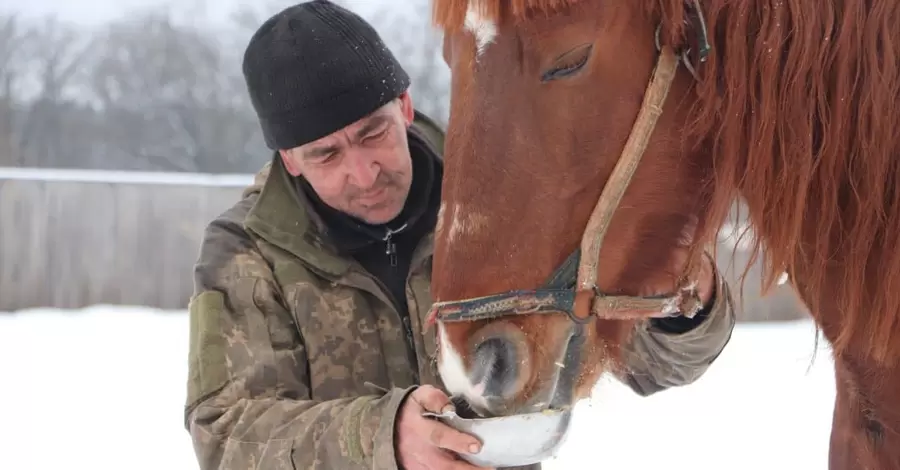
x: 569, y: 63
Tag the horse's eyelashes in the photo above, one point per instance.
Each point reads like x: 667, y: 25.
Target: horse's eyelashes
x: 569, y: 63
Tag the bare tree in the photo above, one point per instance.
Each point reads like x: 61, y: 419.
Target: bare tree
x: 148, y: 92
x: 169, y: 96
x: 13, y: 36
x: 55, y: 56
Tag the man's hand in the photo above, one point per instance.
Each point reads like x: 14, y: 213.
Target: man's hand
x: 704, y: 274
x: 428, y: 444
x: 706, y: 279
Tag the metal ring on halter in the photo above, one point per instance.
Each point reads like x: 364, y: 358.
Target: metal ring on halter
x: 696, y: 14
x: 683, y: 56
x: 697, y: 23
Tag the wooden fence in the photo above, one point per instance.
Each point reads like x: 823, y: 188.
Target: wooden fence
x: 70, y: 239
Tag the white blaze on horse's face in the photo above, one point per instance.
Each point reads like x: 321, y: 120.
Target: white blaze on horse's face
x: 440, y: 219
x: 452, y: 370
x: 464, y: 222
x: 484, y: 29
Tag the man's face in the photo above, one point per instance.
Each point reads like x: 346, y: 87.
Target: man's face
x: 364, y: 169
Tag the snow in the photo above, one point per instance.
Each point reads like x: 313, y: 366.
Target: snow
x: 103, y: 388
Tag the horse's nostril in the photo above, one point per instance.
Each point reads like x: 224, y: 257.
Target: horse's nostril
x: 495, y: 366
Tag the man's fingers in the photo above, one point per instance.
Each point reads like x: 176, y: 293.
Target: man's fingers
x: 449, y: 441
x: 431, y: 398
x: 445, y: 437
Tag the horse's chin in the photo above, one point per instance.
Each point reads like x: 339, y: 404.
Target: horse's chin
x: 468, y: 410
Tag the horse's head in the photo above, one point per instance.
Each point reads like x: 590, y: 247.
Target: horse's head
x: 544, y: 98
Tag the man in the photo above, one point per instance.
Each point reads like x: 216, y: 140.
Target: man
x: 306, y: 348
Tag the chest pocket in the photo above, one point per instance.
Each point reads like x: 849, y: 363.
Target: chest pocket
x: 342, y: 337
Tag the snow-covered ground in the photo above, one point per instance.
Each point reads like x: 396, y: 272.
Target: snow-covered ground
x: 103, y: 388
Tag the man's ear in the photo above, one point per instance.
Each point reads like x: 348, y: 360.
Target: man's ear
x: 289, y: 164
x: 406, y: 105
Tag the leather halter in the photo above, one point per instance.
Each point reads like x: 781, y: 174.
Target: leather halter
x: 572, y: 288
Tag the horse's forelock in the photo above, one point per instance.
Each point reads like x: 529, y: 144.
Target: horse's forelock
x: 451, y: 14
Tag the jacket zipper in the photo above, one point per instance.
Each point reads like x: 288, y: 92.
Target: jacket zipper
x: 407, y: 326
x: 390, y: 248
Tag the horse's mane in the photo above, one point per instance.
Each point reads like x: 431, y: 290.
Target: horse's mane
x: 797, y: 105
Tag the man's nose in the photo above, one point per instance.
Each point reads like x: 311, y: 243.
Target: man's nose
x: 363, y: 169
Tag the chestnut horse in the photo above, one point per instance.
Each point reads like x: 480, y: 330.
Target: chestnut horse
x: 591, y: 141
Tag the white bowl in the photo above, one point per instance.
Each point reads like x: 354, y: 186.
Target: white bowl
x: 511, y: 441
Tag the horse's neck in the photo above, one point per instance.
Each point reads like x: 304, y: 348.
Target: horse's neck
x: 866, y: 423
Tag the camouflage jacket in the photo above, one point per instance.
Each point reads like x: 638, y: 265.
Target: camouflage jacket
x: 287, y: 340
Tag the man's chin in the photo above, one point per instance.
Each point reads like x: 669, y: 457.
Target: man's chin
x: 378, y: 215
x: 381, y: 220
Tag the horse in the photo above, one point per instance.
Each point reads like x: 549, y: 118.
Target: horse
x: 590, y: 140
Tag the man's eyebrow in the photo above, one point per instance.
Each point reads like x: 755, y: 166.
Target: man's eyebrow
x: 373, y: 123
x: 322, y: 151
x: 368, y: 127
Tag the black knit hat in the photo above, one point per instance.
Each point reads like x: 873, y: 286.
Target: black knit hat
x: 315, y: 68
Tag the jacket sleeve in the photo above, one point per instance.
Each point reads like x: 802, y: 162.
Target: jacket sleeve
x: 660, y: 355
x: 248, y: 400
